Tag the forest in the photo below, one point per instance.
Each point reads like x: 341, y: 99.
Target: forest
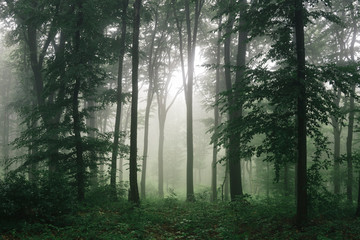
x: 179, y: 119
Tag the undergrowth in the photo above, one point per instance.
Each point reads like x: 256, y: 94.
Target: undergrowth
x: 170, y: 218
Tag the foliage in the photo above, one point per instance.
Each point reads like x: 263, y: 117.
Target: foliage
x: 45, y: 200
x: 270, y: 218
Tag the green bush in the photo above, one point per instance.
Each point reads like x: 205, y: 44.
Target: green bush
x: 17, y: 197
x: 43, y: 200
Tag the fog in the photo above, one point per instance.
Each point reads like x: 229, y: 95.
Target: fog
x: 248, y: 109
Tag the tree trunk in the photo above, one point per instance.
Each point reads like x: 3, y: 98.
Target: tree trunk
x: 268, y: 180
x: 349, y: 140
x: 80, y: 164
x: 249, y: 172
x: 150, y: 95
x: 216, y: 120
x: 188, y: 87
x: 189, y: 111
x: 134, y: 192
x: 91, y: 123
x: 36, y: 66
x: 6, y: 132
x: 36, y: 57
x: 162, y: 94
x: 337, y: 133
x: 301, y: 200
x: 161, y: 154
x: 121, y: 171
x: 105, y: 119
x: 227, y: 181
x: 286, y: 180
x: 235, y: 114
x: 115, y: 149
x: 357, y: 214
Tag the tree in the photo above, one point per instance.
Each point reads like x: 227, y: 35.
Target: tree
x: 188, y: 90
x: 80, y: 164
x: 162, y: 88
x: 5, y: 126
x: 91, y: 124
x: 66, y: 59
x: 134, y: 192
x: 30, y: 28
x: 188, y: 81
x: 301, y: 196
x: 349, y: 140
x: 150, y: 94
x: 216, y: 117
x: 234, y: 95
x: 337, y: 134
x: 119, y: 97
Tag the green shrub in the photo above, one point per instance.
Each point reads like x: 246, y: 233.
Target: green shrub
x: 17, y: 197
x: 43, y: 200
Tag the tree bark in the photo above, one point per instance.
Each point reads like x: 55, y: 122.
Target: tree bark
x: 268, y: 180
x: 191, y: 45
x: 134, y: 192
x: 91, y: 123
x: 115, y: 149
x: 150, y: 95
x: 161, y: 154
x: 349, y: 140
x: 233, y: 100
x: 216, y: 119
x: 126, y: 125
x: 80, y: 164
x: 6, y: 126
x: 301, y: 198
x: 286, y: 180
x: 337, y: 133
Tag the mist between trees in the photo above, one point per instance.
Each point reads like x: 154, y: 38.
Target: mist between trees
x: 199, y: 100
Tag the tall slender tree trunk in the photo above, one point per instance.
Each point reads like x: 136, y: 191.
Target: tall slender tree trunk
x: 149, y: 99
x: 115, y: 149
x: 227, y: 181
x: 216, y: 120
x: 134, y: 192
x: 189, y: 107
x: 105, y: 120
x: 286, y: 180
x: 249, y: 172
x: 233, y: 98
x: 268, y: 179
x: 250, y: 175
x: 191, y: 45
x: 6, y: 132
x: 301, y: 198
x: 126, y: 125
x: 80, y: 164
x: 161, y: 154
x: 337, y: 134
x: 188, y: 86
x: 349, y: 140
x: 228, y: 81
x: 91, y: 123
x: 162, y: 94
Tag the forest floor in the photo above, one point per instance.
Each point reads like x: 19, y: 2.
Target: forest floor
x: 175, y: 219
